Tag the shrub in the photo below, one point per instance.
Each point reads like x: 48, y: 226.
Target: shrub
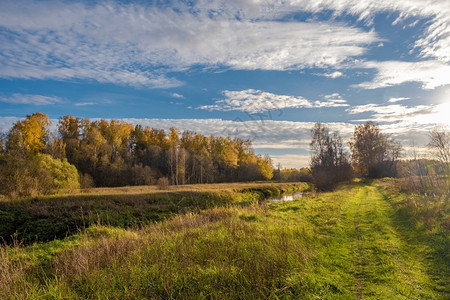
x: 61, y: 176
x: 36, y: 175
x: 86, y: 181
x: 141, y: 175
x: 163, y: 183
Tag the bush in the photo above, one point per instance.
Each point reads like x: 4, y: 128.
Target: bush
x: 86, y: 181
x: 61, y: 176
x: 326, y: 178
x: 163, y: 183
x: 36, y: 175
x: 141, y: 175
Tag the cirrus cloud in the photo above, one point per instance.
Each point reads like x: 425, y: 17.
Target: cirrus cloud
x: 137, y: 45
x: 434, y: 42
x: 18, y: 98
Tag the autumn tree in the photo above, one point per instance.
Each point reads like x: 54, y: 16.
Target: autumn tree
x: 113, y: 152
x: 265, y: 167
x: 72, y: 130
x: 225, y: 157
x: 26, y: 168
x: 293, y: 175
x: 198, y: 159
x: 251, y: 166
x: 174, y: 154
x: 329, y: 160
x: 373, y: 153
x: 56, y: 147
x: 30, y: 136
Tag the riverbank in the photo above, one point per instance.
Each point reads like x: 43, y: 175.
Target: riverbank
x: 55, y: 217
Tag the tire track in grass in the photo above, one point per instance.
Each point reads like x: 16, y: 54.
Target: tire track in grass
x: 357, y: 255
x: 360, y: 252
x: 385, y: 267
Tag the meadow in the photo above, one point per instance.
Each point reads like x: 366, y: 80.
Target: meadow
x: 363, y: 240
x: 40, y: 219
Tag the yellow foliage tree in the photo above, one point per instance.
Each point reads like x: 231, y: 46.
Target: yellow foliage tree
x: 29, y: 136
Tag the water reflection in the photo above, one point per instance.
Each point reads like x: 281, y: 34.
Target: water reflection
x: 288, y: 197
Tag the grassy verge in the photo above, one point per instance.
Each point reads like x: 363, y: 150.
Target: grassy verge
x: 423, y: 221
x: 47, y: 218
x: 349, y: 244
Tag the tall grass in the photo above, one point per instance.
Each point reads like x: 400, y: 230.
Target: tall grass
x: 221, y: 253
x: 424, y: 199
x: 47, y: 218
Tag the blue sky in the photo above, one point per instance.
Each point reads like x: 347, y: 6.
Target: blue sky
x: 264, y: 70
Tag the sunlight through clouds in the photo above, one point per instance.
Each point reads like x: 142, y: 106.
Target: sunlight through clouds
x: 439, y: 115
x: 431, y: 74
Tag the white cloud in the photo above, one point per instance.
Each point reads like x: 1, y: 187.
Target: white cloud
x: 393, y: 100
x: 7, y: 122
x: 287, y: 144
x: 84, y: 103
x: 434, y: 43
x: 413, y: 24
x: 430, y: 74
x: 438, y: 115
x: 137, y: 45
x: 263, y: 133
x: 30, y: 99
x: 423, y: 114
x: 291, y: 160
x: 176, y: 95
x: 333, y: 75
x: 256, y: 101
x: 334, y: 100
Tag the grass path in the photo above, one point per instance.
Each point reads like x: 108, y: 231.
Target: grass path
x: 384, y: 265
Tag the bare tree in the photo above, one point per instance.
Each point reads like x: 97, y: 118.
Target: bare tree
x: 329, y: 160
x: 440, y: 144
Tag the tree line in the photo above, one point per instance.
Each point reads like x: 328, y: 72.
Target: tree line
x: 106, y: 153
x: 373, y: 154
x: 117, y: 153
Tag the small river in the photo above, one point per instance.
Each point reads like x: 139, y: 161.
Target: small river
x: 287, y: 197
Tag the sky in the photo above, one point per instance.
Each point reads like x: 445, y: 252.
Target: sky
x: 254, y: 69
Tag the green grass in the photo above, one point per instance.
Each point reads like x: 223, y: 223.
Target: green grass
x: 354, y: 243
x: 55, y: 217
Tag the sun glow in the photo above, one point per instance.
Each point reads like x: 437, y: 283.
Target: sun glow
x: 440, y: 115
